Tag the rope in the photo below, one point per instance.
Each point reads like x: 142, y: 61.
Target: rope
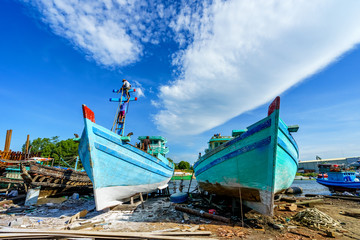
x: 241, y: 209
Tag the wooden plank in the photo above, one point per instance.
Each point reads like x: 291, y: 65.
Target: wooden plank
x: 55, y: 185
x: 58, y: 173
x: 6, y: 202
x: 191, y: 233
x: 113, y: 235
x: 9, y: 180
x: 125, y: 207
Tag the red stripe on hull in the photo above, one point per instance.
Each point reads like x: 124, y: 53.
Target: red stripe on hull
x: 87, y: 113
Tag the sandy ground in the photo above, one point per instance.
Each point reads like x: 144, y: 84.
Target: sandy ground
x: 160, y: 215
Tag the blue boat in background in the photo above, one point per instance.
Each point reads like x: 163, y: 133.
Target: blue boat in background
x: 337, y: 178
x: 117, y: 169
x: 253, y: 164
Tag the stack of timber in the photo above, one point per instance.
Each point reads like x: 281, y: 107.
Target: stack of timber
x: 54, y: 178
x: 7, y: 154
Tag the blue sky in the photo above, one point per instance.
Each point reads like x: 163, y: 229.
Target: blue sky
x: 201, y: 68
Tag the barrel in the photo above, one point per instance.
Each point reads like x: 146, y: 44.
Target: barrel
x: 294, y: 190
x: 178, y: 197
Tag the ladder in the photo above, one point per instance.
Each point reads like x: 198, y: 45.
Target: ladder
x: 119, y: 126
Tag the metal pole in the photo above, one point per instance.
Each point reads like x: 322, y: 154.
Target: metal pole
x: 77, y: 159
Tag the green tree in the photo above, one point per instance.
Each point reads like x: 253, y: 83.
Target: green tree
x: 184, y: 165
x: 53, y: 148
x: 42, y: 145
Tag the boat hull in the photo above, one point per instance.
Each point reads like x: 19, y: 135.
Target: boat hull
x: 253, y: 166
x: 119, y: 170
x: 339, y: 186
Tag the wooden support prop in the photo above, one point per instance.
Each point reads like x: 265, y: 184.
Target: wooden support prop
x: 125, y: 207
x: 202, y: 214
x: 192, y: 175
x: 142, y: 200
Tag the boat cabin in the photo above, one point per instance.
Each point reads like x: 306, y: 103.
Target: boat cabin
x: 336, y: 172
x: 237, y: 133
x: 342, y: 176
x: 157, y: 144
x: 216, y: 141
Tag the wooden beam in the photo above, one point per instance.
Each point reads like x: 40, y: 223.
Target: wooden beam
x: 6, y: 140
x: 9, y: 133
x: 27, y: 145
x: 142, y: 200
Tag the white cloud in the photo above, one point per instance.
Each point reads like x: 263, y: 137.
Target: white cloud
x: 139, y: 89
x: 113, y: 33
x: 244, y: 53
x: 235, y: 55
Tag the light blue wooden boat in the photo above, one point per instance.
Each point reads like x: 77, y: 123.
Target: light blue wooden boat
x: 117, y: 169
x: 253, y: 164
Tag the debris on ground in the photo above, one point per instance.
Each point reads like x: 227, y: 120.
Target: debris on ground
x: 292, y: 219
x: 314, y: 218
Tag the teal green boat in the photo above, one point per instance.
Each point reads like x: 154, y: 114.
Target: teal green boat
x: 253, y: 164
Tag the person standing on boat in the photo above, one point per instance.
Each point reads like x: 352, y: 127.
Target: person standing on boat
x: 126, y: 87
x: 123, y: 108
x: 146, y: 144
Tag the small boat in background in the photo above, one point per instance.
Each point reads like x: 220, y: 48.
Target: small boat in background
x: 338, y: 178
x: 117, y: 169
x: 180, y: 175
x: 253, y: 164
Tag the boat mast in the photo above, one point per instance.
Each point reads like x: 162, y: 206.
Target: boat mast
x: 119, y: 126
